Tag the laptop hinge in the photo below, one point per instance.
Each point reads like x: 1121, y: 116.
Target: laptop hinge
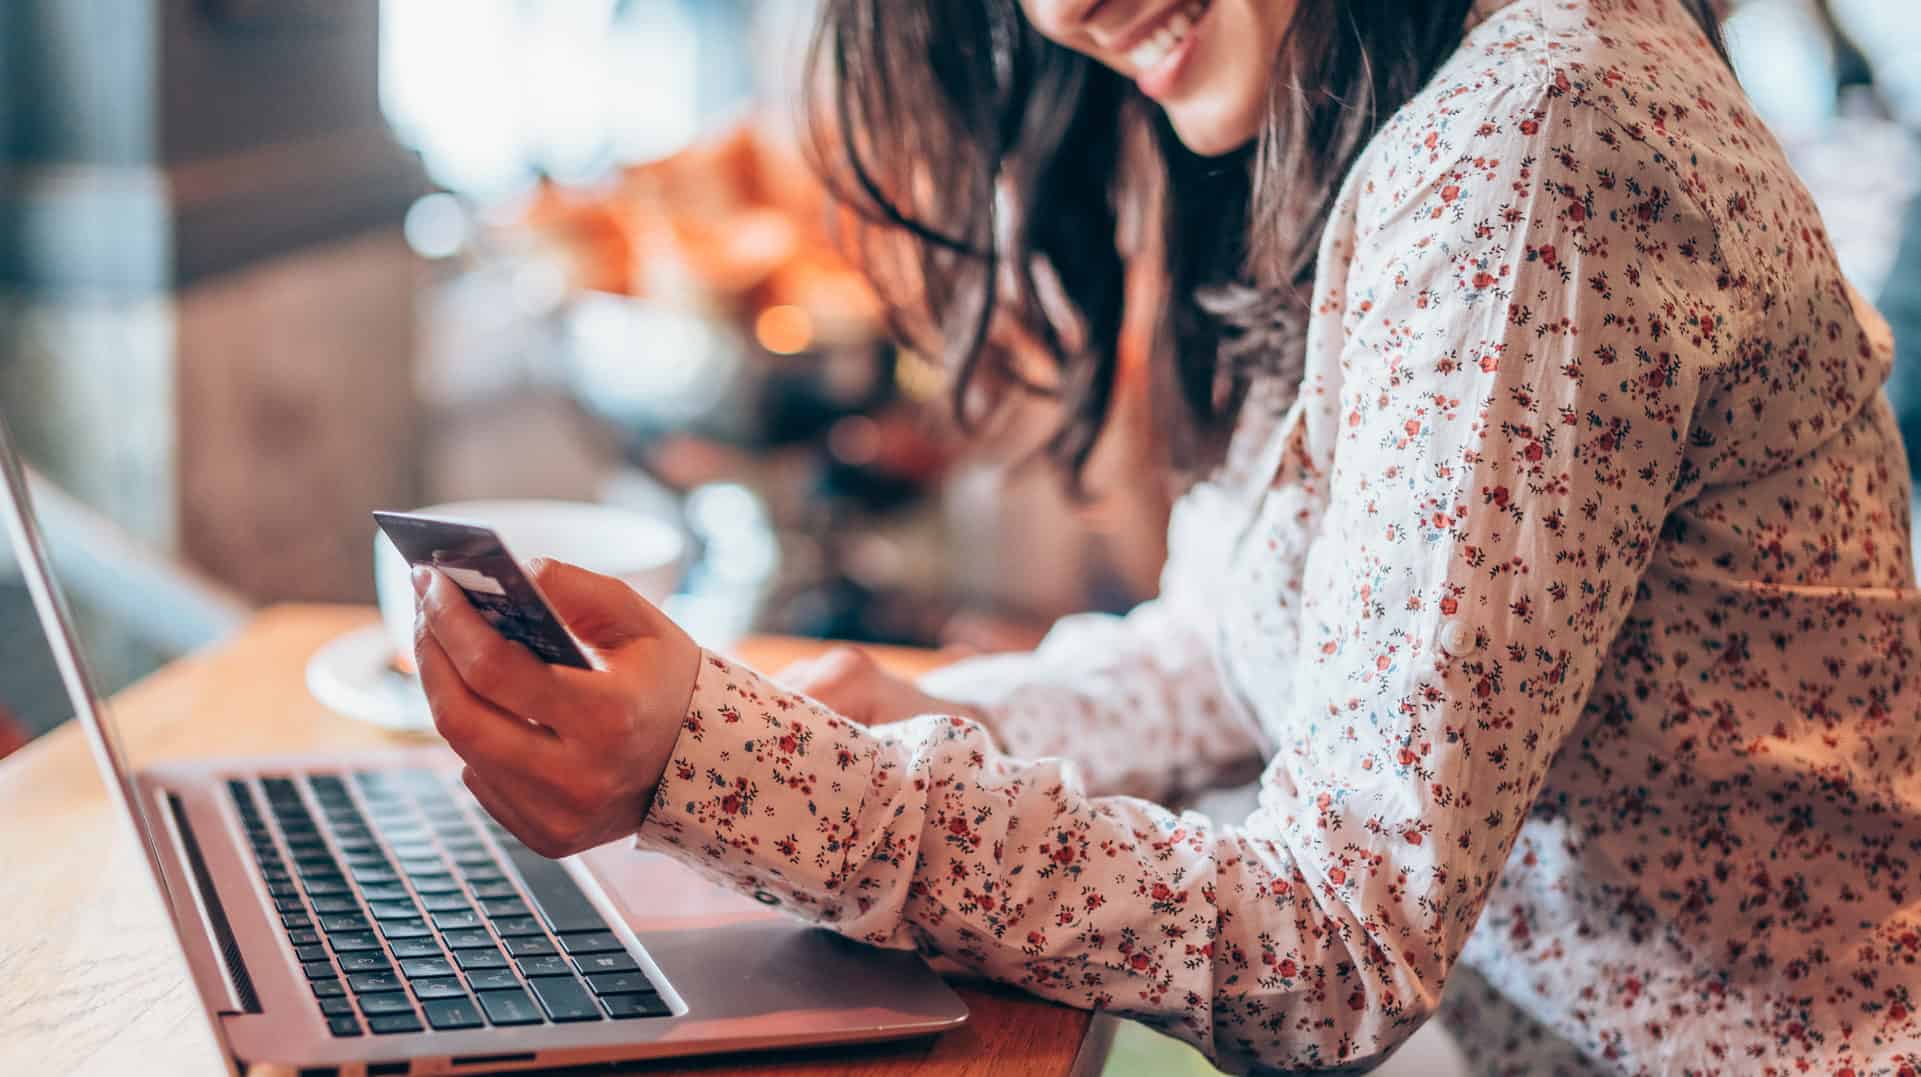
x: 240, y: 995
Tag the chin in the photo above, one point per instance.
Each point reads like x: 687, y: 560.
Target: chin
x: 1209, y: 137
x: 1215, y: 132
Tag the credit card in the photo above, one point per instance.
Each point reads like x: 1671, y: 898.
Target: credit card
x: 477, y: 561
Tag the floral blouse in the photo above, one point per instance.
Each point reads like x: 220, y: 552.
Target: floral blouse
x: 1569, y: 607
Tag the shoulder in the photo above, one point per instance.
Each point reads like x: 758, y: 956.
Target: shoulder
x: 1602, y: 88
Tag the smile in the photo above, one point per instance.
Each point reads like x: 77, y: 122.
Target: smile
x: 1162, y: 41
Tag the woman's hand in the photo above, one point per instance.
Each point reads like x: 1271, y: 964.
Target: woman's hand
x: 565, y: 758
x: 849, y: 681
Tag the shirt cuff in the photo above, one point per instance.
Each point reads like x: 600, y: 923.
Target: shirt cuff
x: 763, y: 789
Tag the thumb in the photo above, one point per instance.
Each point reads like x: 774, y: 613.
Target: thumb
x: 601, y: 611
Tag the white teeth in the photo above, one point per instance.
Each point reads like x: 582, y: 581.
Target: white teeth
x: 1159, y: 45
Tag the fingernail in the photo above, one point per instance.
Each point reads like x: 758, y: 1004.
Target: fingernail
x: 423, y: 579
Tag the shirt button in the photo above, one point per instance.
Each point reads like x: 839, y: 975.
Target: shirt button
x: 1457, y: 638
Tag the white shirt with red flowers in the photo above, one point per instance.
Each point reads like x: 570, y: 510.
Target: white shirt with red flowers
x: 1568, y: 607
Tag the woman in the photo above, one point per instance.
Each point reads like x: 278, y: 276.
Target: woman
x: 1553, y: 556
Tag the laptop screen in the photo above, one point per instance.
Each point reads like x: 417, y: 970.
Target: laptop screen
x: 56, y: 619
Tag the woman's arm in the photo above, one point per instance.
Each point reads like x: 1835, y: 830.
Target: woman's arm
x: 1513, y: 416
x: 1136, y: 702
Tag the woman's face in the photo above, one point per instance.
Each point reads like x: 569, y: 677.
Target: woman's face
x: 1209, y: 63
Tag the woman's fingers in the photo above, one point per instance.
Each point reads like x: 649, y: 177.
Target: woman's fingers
x: 476, y: 729
x: 601, y: 611
x: 496, y: 669
x: 845, y: 678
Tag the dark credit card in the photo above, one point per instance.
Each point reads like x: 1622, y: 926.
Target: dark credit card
x: 479, y: 564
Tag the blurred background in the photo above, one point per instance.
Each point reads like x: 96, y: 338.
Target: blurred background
x: 268, y: 264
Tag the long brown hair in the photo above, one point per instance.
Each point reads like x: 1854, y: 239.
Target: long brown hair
x: 996, y: 167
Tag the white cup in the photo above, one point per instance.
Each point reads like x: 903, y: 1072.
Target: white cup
x: 646, y: 552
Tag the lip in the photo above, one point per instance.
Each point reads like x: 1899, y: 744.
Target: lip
x: 1160, y: 81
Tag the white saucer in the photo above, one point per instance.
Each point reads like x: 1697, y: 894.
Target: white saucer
x: 354, y: 676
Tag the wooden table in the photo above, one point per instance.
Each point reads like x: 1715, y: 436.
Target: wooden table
x: 90, y: 981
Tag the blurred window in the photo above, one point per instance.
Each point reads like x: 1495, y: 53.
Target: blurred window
x: 494, y: 93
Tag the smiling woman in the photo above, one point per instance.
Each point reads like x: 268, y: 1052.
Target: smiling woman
x: 1557, y: 573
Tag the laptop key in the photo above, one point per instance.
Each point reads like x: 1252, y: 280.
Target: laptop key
x: 564, y: 999
x: 529, y: 946
x: 386, y: 892
x: 422, y: 947
x: 439, y: 987
x: 303, y: 937
x: 618, y: 983
x: 296, y: 921
x: 420, y: 967
x: 311, y: 952
x: 335, y: 904
x: 517, y: 925
x: 590, y: 942
x: 450, y: 902
x: 336, y: 1007
x: 394, y: 1024
x: 468, y: 939
x: 509, y: 1007
x: 393, y: 910
x: 592, y: 963
x: 364, y: 961
x: 491, y: 979
x: 350, y: 941
x: 287, y: 904
x: 318, y: 970
x: 328, y: 988
x: 498, y: 888
x: 639, y: 1004
x: 546, y: 965
x: 373, y: 983
x: 436, y: 884
x: 451, y: 1013
x: 504, y: 907
x: 344, y: 1025
x: 454, y: 921
x: 489, y: 958
x: 343, y: 922
x: 326, y: 886
x: 393, y: 1002
x: 405, y: 929
x: 363, y: 876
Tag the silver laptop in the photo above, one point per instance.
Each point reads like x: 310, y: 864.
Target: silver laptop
x: 360, y: 914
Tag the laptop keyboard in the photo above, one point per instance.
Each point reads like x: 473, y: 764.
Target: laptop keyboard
x: 406, y: 916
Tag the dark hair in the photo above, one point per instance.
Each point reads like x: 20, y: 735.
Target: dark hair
x: 996, y: 165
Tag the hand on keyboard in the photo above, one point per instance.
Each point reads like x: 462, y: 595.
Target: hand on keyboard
x: 565, y: 758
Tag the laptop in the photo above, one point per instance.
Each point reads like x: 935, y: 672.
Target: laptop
x: 361, y: 914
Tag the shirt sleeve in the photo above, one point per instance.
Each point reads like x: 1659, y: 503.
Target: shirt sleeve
x: 1136, y: 703
x: 1512, y: 401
